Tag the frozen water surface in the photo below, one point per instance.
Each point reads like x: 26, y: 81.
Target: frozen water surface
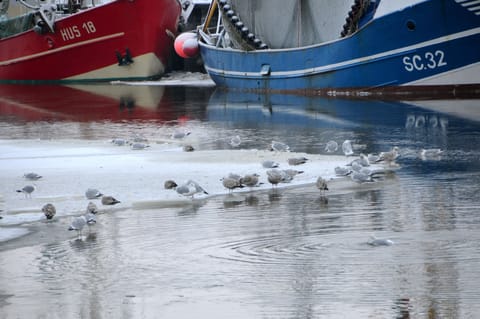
x: 283, y: 253
x: 70, y: 167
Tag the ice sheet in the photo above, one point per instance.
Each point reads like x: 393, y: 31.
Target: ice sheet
x: 135, y: 177
x: 176, y: 79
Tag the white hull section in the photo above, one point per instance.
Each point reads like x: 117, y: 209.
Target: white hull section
x: 466, y: 75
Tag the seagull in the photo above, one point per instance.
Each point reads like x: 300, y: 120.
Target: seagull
x: 347, y: 148
x: 363, y: 160
x: 291, y: 173
x: 297, y: 161
x: 275, y: 176
x: 180, y: 134
x: 27, y: 190
x: 279, y: 147
x: 139, y: 146
x: 77, y: 224
x: 390, y: 156
x: 331, y: 146
x: 356, y: 166
x: 32, y: 176
x: 170, y: 184
x: 270, y: 164
x: 119, y: 141
x: 91, y: 220
x: 49, y: 210
x: 342, y: 171
x: 93, y: 193
x: 231, y: 183
x: 431, y: 153
x: 372, y: 158
x: 139, y: 139
x: 235, y: 141
x: 190, y: 188
x: 374, y: 241
x: 361, y: 178
x: 234, y: 176
x: 188, y: 148
x: 250, y: 180
x: 321, y: 185
x: 92, y: 208
x: 109, y: 200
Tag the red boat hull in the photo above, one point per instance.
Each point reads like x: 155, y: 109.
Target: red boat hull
x: 85, y: 45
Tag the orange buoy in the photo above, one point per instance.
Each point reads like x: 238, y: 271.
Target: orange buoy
x: 186, y: 45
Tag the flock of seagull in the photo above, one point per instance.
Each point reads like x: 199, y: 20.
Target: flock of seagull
x: 78, y: 222
x: 359, y: 170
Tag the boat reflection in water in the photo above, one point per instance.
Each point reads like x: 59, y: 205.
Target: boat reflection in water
x: 94, y: 102
x: 310, y: 122
x: 334, y: 111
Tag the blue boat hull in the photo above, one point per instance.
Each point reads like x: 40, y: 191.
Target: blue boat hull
x: 433, y: 43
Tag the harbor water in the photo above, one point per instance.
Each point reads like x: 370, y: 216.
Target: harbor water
x: 284, y: 252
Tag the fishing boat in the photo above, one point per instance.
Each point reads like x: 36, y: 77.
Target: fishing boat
x: 343, y: 46
x: 80, y: 40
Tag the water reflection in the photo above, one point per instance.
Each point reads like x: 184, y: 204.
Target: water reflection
x: 97, y: 102
x: 279, y: 253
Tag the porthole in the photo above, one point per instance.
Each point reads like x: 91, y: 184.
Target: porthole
x: 411, y: 25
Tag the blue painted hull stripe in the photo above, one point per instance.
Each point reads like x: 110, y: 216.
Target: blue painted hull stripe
x: 350, y: 63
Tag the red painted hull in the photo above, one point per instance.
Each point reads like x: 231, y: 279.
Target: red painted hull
x: 84, y: 45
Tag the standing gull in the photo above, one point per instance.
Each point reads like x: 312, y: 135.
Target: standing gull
x: 27, y: 190
x: 231, y: 183
x: 250, y: 180
x: 77, y: 224
x: 321, y: 185
x: 49, y: 210
x: 390, y: 156
x: 275, y: 176
x: 109, y: 200
x: 91, y: 220
x: 190, y: 188
x: 32, y: 176
x: 93, y: 193
x: 347, y: 148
